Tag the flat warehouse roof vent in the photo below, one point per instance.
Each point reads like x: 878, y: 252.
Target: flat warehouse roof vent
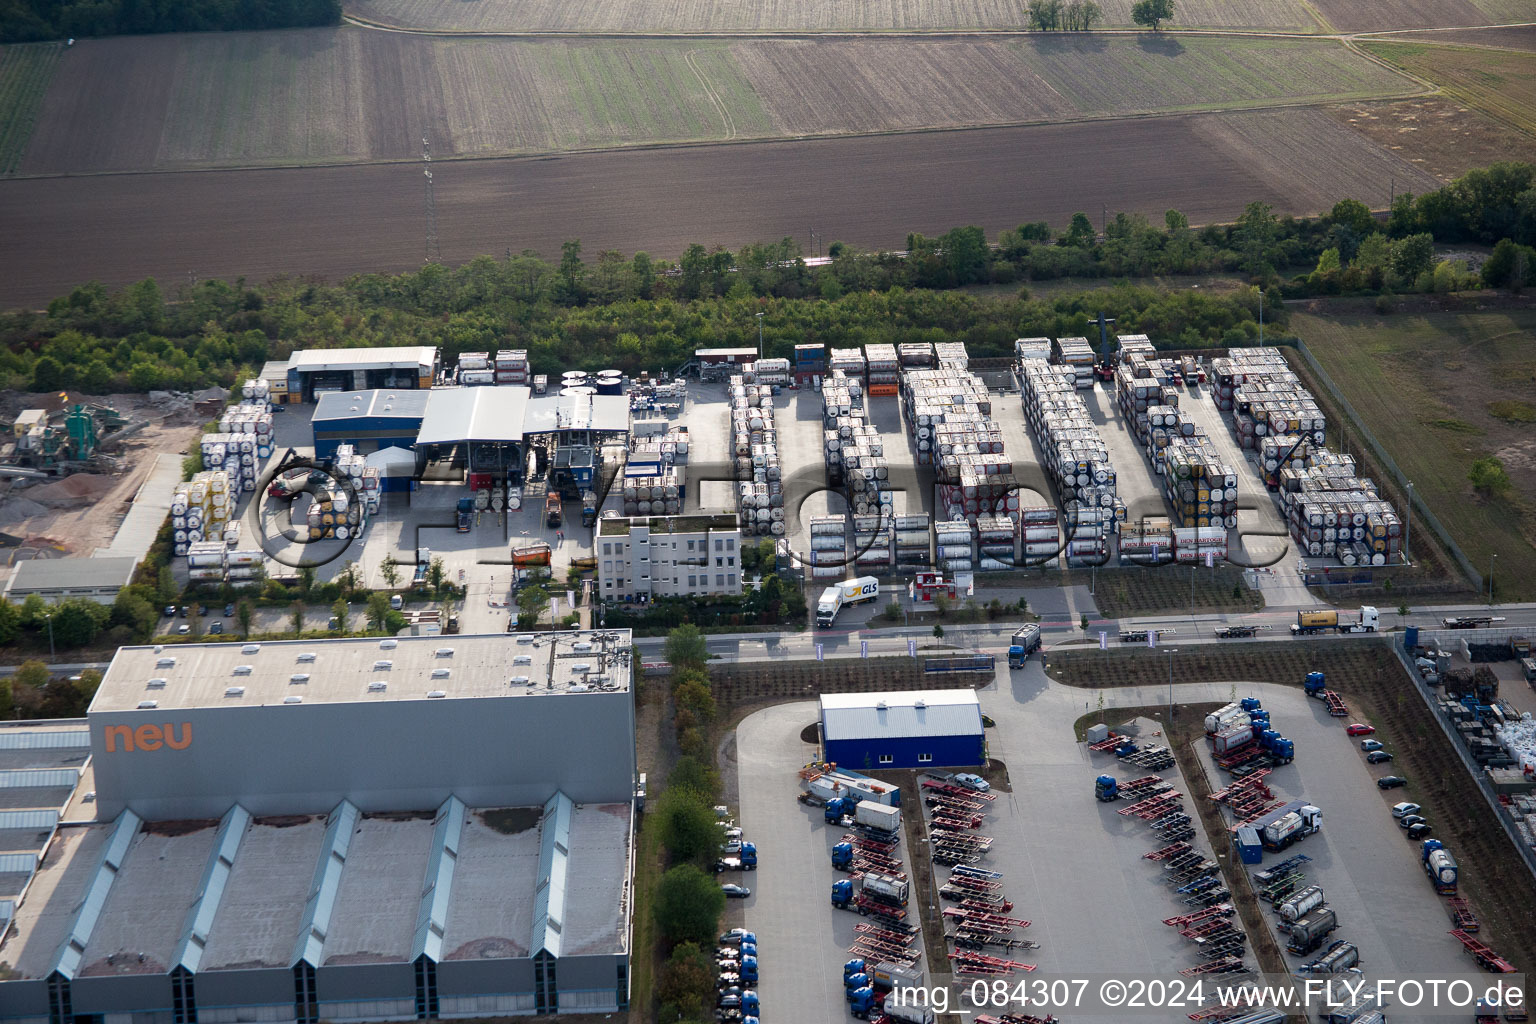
x: 250, y: 648
x: 147, y: 705
x: 157, y: 683
x: 293, y: 699
x: 521, y: 681
x: 166, y: 662
x: 299, y: 677
x: 583, y: 667
x: 445, y: 652
x: 307, y: 657
x: 919, y: 703
x: 881, y: 705
x: 377, y: 686
x: 437, y: 693
x: 234, y: 691
x: 242, y: 670
x: 383, y: 666
x: 387, y: 645
x: 441, y: 673
x: 522, y: 659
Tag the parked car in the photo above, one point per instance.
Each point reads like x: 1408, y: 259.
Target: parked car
x: 229, y: 611
x: 1360, y: 729
x: 1409, y: 820
x: 731, y: 847
x: 1391, y: 782
x: 735, y: 892
x: 1404, y: 809
x: 217, y: 626
x: 1371, y: 744
x: 970, y: 781
x: 1378, y: 757
x: 735, y: 936
x: 183, y: 630
x: 170, y: 611
x: 1421, y: 830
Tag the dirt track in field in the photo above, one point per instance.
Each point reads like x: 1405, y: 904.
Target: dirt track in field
x: 871, y: 191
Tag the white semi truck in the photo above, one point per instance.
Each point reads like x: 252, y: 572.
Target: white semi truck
x: 835, y: 598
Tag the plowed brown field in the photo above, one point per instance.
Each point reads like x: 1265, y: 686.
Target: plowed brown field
x: 1436, y: 134
x: 334, y: 221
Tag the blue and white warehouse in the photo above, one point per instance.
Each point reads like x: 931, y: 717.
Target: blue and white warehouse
x: 907, y: 729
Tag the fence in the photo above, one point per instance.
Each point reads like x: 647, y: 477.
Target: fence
x: 1387, y: 462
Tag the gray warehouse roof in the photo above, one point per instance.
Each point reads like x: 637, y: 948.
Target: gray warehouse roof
x: 506, y: 414
x: 388, y: 403
x: 314, y: 360
x: 908, y: 713
x: 365, y: 914
x: 365, y: 670
x: 49, y: 575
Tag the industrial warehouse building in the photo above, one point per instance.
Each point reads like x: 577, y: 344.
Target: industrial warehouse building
x: 668, y: 556
x: 367, y: 420
x: 317, y: 371
x: 341, y: 830
x: 912, y: 729
x: 488, y: 430
x: 54, y: 579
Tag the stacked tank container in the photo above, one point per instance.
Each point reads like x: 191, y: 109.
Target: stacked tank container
x: 810, y: 363
x: 951, y: 355
x: 883, y: 367
x: 1040, y: 534
x: 1088, y: 530
x: 996, y: 542
x: 1076, y: 456
x: 1077, y: 354
x: 660, y: 494
x: 352, y: 470
x: 913, y: 541
x: 1136, y: 345
x: 205, y: 561
x: 1031, y: 348
x: 1147, y: 541
x: 257, y: 391
x: 853, y: 448
x: 1331, y: 511
x: 243, y: 566
x: 915, y: 355
x: 1196, y: 544
x: 511, y: 366
x: 872, y: 544
x: 949, y: 411
x: 772, y: 371
x: 848, y: 360
x: 952, y: 546
x: 829, y: 546
x: 755, y: 444
x: 476, y: 368
x: 201, y: 509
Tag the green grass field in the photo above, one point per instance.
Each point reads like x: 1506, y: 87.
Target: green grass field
x: 1440, y: 390
x: 25, y: 71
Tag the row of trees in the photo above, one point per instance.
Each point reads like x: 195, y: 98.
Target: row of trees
x: 1056, y: 15
x: 688, y: 900
x: 23, y: 21
x: 34, y: 692
x: 639, y: 313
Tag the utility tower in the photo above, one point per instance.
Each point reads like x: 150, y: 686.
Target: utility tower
x: 434, y: 254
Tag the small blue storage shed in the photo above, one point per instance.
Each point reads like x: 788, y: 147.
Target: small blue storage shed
x: 907, y: 729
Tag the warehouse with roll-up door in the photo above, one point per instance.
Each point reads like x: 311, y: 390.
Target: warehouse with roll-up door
x: 318, y: 371
x: 341, y: 830
x: 367, y: 420
x: 911, y: 729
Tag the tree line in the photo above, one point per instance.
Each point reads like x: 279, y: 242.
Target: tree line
x: 636, y: 312
x: 24, y: 21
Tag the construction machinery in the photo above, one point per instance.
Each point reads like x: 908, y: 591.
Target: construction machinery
x: 66, y: 441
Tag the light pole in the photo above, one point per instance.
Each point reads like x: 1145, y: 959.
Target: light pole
x: 1408, y: 528
x: 1171, y: 652
x: 759, y: 335
x: 1491, y: 559
x: 49, y: 617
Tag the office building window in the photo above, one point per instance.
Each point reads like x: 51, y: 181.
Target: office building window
x: 924, y: 758
x: 730, y: 543
x: 607, y: 549
x: 885, y: 758
x: 719, y: 544
x: 693, y: 581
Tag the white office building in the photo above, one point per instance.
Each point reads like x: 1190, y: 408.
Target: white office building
x: 668, y: 556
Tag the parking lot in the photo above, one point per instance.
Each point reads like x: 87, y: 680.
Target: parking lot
x: 803, y: 940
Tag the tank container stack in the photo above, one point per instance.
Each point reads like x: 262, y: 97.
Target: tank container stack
x: 512, y: 366
x: 243, y: 440
x: 1265, y: 397
x: 654, y: 495
x: 842, y: 412
x: 1040, y: 533
x: 205, y: 561
x: 854, y: 449
x: 333, y: 512
x: 1200, y: 488
x: 475, y: 368
x: 952, y: 545
x: 658, y: 396
x: 1031, y: 348
x: 872, y: 544
x: 755, y: 441
x: 829, y: 546
x: 810, y: 363
x: 1136, y: 345
x: 884, y: 370
x: 353, y: 471
x: 1147, y: 541
x: 654, y: 475
x: 949, y: 411
x: 1076, y: 456
x: 1077, y: 355
x: 257, y: 391
x: 915, y: 355
x: 850, y: 361
x: 996, y: 540
x: 913, y: 541
x: 772, y: 371
x: 951, y: 355
x: 1331, y: 510
x: 201, y: 510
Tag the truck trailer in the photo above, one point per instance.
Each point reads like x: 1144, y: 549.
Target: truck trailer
x: 875, y: 815
x: 1308, y: 931
x: 835, y: 598
x: 1368, y: 620
x: 1341, y: 956
x: 1439, y: 866
x: 1293, y: 908
x: 1025, y: 641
